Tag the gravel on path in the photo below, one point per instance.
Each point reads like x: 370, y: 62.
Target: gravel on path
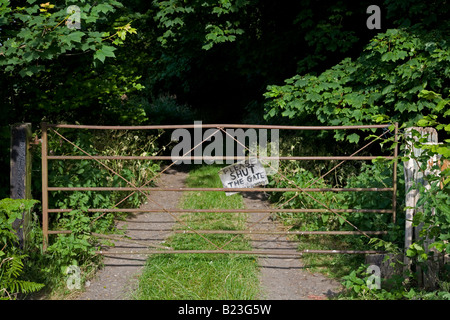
x: 119, y: 277
x: 283, y: 277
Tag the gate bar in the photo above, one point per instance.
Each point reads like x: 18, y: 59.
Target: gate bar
x: 238, y: 126
x: 175, y: 158
x: 394, y: 176
x: 294, y: 232
x: 254, y: 232
x: 218, y: 189
x: 249, y: 252
x: 226, y: 210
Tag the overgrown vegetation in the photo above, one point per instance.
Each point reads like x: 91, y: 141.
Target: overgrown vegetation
x: 433, y: 219
x: 13, y: 281
x: 203, y: 276
x: 354, y: 174
x: 399, y: 76
x: 78, y: 248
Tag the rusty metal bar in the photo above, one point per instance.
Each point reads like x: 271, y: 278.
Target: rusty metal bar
x: 59, y: 231
x: 226, y: 210
x: 295, y: 232
x: 220, y: 189
x: 44, y: 169
x: 248, y: 252
x: 142, y: 243
x: 216, y: 158
x: 394, y: 175
x: 206, y: 126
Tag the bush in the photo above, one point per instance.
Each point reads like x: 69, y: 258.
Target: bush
x: 303, y: 178
x: 166, y: 110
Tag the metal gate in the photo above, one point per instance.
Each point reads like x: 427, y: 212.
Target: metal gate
x: 143, y: 189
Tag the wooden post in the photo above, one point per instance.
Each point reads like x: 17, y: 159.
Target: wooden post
x: 20, y: 174
x: 413, y: 176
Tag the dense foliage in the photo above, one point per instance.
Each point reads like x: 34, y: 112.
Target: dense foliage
x: 401, y: 75
x: 389, y: 81
x: 80, y: 245
x: 12, y: 281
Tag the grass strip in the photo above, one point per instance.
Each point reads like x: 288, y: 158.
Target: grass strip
x: 203, y: 276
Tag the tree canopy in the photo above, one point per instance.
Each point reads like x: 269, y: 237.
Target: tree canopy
x: 400, y: 75
x: 124, y: 56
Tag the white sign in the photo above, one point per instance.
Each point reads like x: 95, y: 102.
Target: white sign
x: 243, y: 174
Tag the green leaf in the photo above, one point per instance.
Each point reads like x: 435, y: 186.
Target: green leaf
x: 104, y: 7
x: 99, y: 56
x: 25, y: 72
x: 387, y: 56
x: 105, y: 51
x: 410, y: 253
x: 400, y: 55
x: 423, y: 123
x: 313, y: 96
x: 387, y: 89
x: 30, y: 70
x: 108, y: 51
x: 429, y: 95
x: 75, y: 36
x: 86, y: 46
x: 353, y: 138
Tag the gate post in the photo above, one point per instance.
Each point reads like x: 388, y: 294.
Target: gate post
x: 414, y: 175
x: 20, y: 174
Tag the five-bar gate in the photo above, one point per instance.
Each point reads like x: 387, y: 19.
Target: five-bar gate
x: 219, y: 128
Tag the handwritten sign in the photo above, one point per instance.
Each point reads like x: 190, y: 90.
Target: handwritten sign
x: 243, y: 174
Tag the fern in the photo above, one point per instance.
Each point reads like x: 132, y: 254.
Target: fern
x: 10, y: 269
x: 23, y: 286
